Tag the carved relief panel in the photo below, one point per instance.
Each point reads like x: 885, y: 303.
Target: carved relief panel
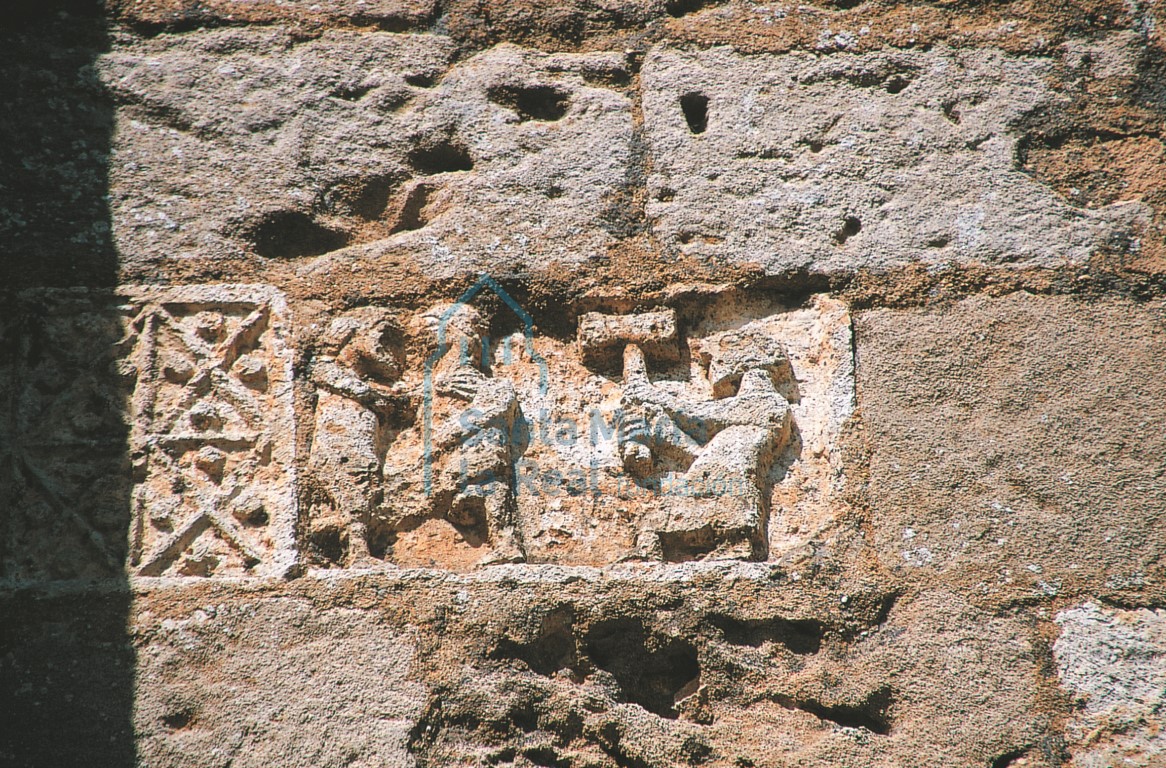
x: 696, y: 430
x: 148, y: 428
x: 155, y: 429
x: 213, y: 434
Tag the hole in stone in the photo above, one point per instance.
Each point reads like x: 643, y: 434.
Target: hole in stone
x: 551, y: 650
x: 896, y: 84
x: 255, y: 517
x: 682, y: 546
x: 504, y: 756
x: 871, y: 715
x: 939, y: 242
x: 379, y: 542
x: 373, y: 196
x: 412, y: 213
x: 1008, y: 758
x: 178, y: 719
x: 545, y: 757
x: 291, y: 234
x: 421, y: 79
x: 524, y: 717
x: 328, y: 544
x: 606, y: 77
x: 678, y: 8
x: 846, y: 5
x: 815, y: 147
x: 850, y: 227
x: 365, y: 197
x: 650, y: 670
x: 951, y: 112
x: 468, y: 518
x: 666, y: 195
x: 696, y: 111
x: 538, y: 102
x: 800, y: 637
x: 442, y: 157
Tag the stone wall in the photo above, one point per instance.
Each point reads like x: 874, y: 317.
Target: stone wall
x: 607, y: 384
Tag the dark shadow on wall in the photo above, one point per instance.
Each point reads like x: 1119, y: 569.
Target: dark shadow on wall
x: 66, y: 661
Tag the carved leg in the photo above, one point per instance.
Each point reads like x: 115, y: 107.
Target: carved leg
x: 722, y: 495
x: 344, y: 457
x: 505, y: 540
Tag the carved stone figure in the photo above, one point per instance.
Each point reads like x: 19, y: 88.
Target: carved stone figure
x: 466, y: 461
x: 359, y: 399
x: 709, y: 458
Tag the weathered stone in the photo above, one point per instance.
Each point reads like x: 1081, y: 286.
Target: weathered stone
x: 1016, y: 443
x: 213, y: 437
x: 254, y: 682
x: 846, y: 162
x: 1114, y: 662
x: 728, y: 354
x: 602, y: 338
x: 288, y: 504
x: 581, y: 666
x: 364, y: 141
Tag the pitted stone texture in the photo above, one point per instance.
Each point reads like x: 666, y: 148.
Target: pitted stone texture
x: 716, y: 666
x: 235, y: 141
x: 850, y: 161
x: 260, y: 682
x: 921, y: 661
x: 1016, y: 443
x: 1114, y: 661
x: 391, y: 15
x: 654, y: 666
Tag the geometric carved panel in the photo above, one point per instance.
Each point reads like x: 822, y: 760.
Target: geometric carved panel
x: 151, y: 427
x: 213, y: 435
x: 64, y: 464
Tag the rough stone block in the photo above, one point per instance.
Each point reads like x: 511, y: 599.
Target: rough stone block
x: 1113, y: 662
x: 241, y: 141
x: 732, y: 662
x: 260, y: 682
x: 851, y: 161
x: 1016, y: 443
